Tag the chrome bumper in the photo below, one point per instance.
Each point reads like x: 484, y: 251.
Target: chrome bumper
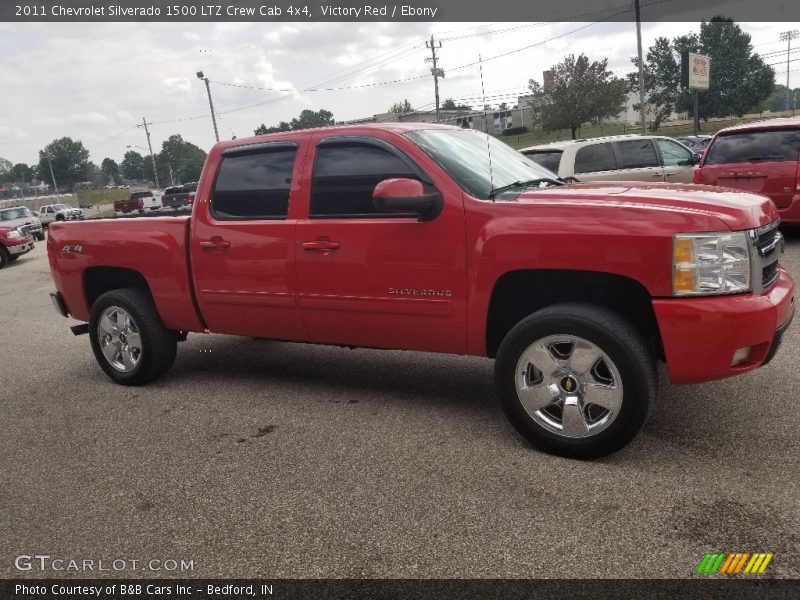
x: 20, y: 248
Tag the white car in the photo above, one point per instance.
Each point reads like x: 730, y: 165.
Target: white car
x: 58, y: 212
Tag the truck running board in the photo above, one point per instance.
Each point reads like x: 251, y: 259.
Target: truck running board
x: 80, y: 329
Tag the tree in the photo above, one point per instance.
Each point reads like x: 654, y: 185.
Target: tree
x: 185, y: 159
x: 449, y: 104
x: 740, y: 80
x: 401, y: 108
x: 132, y: 165
x: 6, y: 173
x: 110, y: 170
x: 503, y: 106
x: 308, y: 119
x: 582, y: 91
x: 70, y: 162
x: 776, y: 101
x: 23, y: 172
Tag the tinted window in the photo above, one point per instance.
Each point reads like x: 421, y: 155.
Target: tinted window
x: 597, y: 157
x: 345, y: 175
x: 637, y: 154
x: 136, y: 195
x: 549, y: 160
x: 173, y: 190
x: 254, y: 186
x: 754, y: 146
x: 674, y: 154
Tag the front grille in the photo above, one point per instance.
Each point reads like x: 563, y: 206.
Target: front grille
x: 769, y: 274
x: 768, y: 242
x: 24, y: 230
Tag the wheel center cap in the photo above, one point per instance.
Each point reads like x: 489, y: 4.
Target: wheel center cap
x: 122, y: 337
x: 569, y: 384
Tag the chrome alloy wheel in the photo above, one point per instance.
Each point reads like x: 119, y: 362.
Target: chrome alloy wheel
x: 119, y: 339
x: 568, y: 386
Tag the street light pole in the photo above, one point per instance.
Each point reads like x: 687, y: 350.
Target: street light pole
x: 642, y: 117
x: 210, y: 103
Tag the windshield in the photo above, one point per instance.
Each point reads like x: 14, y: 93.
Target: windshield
x: 464, y: 154
x: 57, y: 207
x: 10, y: 214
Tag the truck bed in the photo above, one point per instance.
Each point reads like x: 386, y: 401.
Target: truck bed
x: 155, y: 248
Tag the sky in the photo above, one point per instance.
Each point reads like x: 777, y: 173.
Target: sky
x: 95, y: 81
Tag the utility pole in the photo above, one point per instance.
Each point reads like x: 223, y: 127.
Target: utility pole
x: 210, y: 103
x: 435, y: 71
x: 171, y: 178
x: 152, y: 156
x: 641, y: 68
x: 53, y: 177
x: 788, y: 36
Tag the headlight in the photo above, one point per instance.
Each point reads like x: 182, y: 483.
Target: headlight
x: 707, y: 264
x: 13, y: 234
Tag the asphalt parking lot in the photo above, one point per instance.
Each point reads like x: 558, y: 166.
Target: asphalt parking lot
x: 264, y: 459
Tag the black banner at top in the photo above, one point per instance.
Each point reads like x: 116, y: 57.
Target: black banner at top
x: 267, y: 11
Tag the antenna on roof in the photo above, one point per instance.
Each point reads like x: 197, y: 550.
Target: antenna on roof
x: 485, y: 127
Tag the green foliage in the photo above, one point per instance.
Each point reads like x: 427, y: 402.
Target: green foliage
x: 740, y: 80
x: 132, y: 165
x: 401, y: 108
x: 185, y: 158
x: 515, y: 131
x: 776, y: 101
x: 6, y: 171
x: 450, y: 104
x: 110, y: 170
x: 582, y: 91
x: 308, y: 119
x: 70, y: 162
x: 22, y: 172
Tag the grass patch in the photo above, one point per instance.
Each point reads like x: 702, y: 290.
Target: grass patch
x: 103, y: 196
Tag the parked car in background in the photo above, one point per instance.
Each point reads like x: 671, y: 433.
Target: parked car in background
x: 695, y: 143
x: 138, y: 202
x: 17, y: 216
x: 58, y: 212
x: 179, y: 196
x: 758, y: 157
x: 618, y: 158
x: 14, y: 242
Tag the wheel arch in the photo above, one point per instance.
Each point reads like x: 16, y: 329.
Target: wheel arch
x: 517, y: 294
x: 99, y: 280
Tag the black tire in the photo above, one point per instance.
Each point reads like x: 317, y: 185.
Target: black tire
x: 5, y: 257
x: 13, y: 257
x: 158, y: 344
x: 615, y: 338
x: 59, y: 217
x: 40, y: 236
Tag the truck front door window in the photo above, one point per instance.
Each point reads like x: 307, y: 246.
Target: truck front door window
x: 345, y: 176
x: 254, y: 186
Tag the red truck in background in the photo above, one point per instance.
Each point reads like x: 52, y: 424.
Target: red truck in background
x: 440, y: 239
x: 15, y: 241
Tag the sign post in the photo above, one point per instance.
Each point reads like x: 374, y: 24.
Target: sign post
x: 695, y: 76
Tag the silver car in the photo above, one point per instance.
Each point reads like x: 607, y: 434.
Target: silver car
x: 618, y: 158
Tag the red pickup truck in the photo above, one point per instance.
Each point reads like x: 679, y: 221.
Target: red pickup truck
x: 439, y: 239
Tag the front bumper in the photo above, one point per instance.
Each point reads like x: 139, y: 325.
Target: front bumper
x: 701, y: 335
x: 24, y: 247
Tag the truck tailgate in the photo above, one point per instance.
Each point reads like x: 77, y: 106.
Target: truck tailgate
x: 154, y: 248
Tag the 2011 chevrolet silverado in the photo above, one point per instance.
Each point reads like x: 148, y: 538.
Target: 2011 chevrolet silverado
x: 438, y: 239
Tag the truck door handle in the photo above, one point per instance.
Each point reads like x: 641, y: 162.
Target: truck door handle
x: 669, y: 173
x: 215, y: 243
x: 322, y: 245
x: 658, y: 174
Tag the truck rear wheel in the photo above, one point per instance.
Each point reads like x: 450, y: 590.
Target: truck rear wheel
x: 576, y: 380
x: 5, y: 257
x: 128, y: 338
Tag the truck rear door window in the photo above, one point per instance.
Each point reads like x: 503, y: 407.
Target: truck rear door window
x: 345, y: 175
x: 755, y: 146
x: 593, y: 158
x: 254, y: 185
x: 549, y: 159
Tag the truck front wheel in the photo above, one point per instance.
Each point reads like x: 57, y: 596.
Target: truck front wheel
x: 128, y: 338
x: 576, y: 380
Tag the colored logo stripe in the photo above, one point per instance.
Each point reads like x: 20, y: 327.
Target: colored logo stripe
x: 732, y: 563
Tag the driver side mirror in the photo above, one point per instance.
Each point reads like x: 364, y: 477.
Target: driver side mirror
x: 402, y: 195
x: 695, y: 160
